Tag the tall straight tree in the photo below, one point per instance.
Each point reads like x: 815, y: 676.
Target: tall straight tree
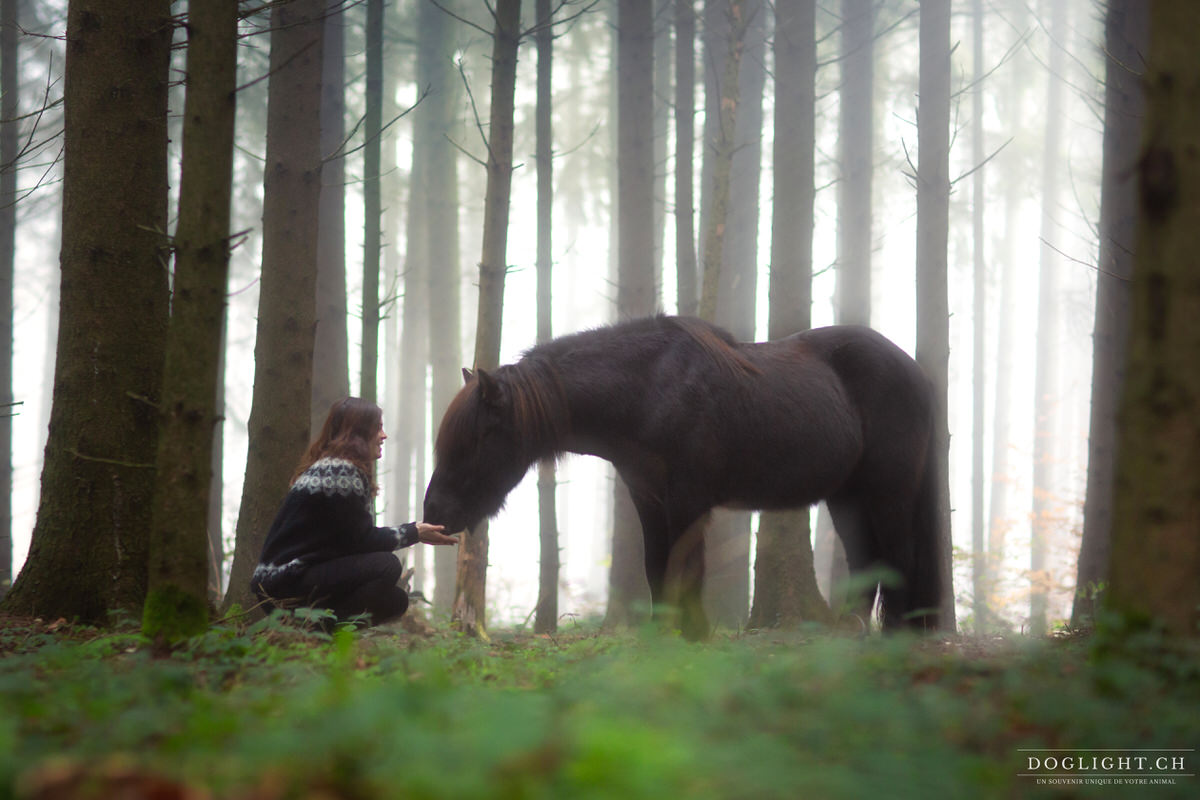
x: 88, y: 552
x: 785, y: 585
x: 434, y: 196
x: 546, y: 617
x: 686, y: 293
x: 1046, y: 358
x: 10, y: 36
x: 1125, y: 45
x: 331, y: 369
x: 372, y: 202
x: 470, y: 595
x: 933, y: 216
x: 979, y: 581
x: 1155, y: 568
x: 636, y: 294
x: 177, y: 600
x: 283, y: 350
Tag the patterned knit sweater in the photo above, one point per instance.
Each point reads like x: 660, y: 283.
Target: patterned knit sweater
x: 326, y: 515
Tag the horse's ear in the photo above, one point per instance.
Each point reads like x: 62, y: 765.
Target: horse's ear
x: 467, y: 375
x: 489, y: 388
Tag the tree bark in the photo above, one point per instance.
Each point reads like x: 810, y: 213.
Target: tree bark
x: 546, y: 616
x: 177, y: 601
x: 436, y: 196
x: 785, y: 583
x: 1125, y: 46
x: 283, y: 352
x: 856, y: 162
x: 331, y: 357
x: 470, y: 588
x: 88, y: 551
x: 636, y: 291
x: 933, y: 206
x: 687, y: 299
x: 1155, y: 567
x: 372, y: 202
x: 9, y: 149
x: 1045, y: 390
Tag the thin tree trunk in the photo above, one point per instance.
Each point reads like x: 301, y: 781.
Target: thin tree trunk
x: 283, y: 351
x: 856, y: 151
x: 546, y: 616
x: 1045, y: 394
x: 1125, y: 48
x: 685, y: 138
x: 437, y: 199
x: 331, y: 358
x: 9, y: 148
x: 372, y: 202
x: 785, y: 583
x: 933, y: 206
x: 979, y: 581
x: 470, y: 589
x: 88, y: 552
x: 177, y: 600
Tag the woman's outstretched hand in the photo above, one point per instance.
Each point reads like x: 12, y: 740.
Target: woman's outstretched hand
x: 434, y: 534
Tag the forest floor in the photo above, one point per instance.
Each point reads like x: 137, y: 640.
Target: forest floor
x: 272, y: 711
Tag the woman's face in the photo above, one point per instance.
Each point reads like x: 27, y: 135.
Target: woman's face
x: 379, y: 437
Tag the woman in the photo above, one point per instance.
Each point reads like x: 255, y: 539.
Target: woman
x: 323, y: 549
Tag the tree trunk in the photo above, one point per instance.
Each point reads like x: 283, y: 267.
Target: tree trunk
x: 785, y: 583
x: 177, y: 601
x: 546, y: 616
x: 1155, y: 568
x: 687, y: 300
x: 1125, y: 45
x: 979, y: 580
x: 1045, y: 392
x: 636, y: 293
x: 88, y: 551
x: 9, y: 148
x: 722, y: 149
x: 438, y: 196
x: 933, y: 207
x: 331, y: 358
x: 470, y: 595
x: 372, y: 202
x: 283, y: 351
x: 856, y: 162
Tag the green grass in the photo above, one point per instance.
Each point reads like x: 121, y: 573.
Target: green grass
x: 274, y: 712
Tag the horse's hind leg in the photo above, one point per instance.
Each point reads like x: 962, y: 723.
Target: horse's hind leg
x: 853, y: 526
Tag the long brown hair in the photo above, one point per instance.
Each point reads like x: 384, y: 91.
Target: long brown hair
x: 349, y: 432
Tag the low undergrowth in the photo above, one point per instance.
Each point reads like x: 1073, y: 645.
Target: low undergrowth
x: 271, y: 711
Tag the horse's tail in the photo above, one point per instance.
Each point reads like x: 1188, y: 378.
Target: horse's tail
x: 926, y: 588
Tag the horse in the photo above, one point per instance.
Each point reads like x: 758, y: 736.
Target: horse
x: 693, y: 419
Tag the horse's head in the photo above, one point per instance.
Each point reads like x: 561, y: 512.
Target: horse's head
x: 480, y: 454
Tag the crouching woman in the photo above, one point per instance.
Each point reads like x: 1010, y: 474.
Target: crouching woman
x: 323, y: 549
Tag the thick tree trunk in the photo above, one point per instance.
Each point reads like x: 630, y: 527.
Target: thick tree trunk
x: 1155, y: 568
x: 88, y: 552
x: 1126, y: 39
x: 636, y: 292
x: 177, y: 602
x: 470, y: 588
x: 280, y: 410
x: 785, y: 583
x: 933, y: 208
x: 856, y: 162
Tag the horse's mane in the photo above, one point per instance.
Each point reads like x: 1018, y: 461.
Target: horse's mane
x: 717, y: 343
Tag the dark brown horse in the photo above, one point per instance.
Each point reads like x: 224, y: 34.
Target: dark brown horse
x: 692, y: 420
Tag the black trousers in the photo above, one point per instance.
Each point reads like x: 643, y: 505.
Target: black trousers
x: 351, y: 586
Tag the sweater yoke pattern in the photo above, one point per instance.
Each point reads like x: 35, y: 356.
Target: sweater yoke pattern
x: 333, y: 476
